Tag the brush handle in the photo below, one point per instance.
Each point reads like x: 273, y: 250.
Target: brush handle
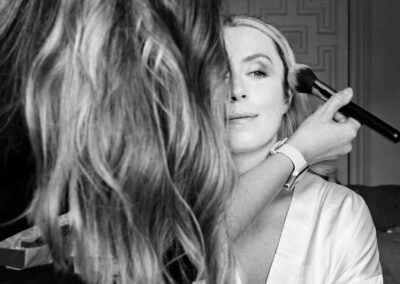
x: 358, y: 113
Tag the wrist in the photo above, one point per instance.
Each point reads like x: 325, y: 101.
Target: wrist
x: 289, y: 166
x: 300, y: 147
x: 300, y: 165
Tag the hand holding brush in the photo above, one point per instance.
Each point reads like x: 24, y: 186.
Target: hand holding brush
x: 303, y: 80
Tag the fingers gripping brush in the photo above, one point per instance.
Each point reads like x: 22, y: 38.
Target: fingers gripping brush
x: 303, y: 80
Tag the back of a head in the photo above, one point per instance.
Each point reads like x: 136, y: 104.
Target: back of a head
x: 125, y: 108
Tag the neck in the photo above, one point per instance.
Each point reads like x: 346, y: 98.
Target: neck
x: 245, y: 161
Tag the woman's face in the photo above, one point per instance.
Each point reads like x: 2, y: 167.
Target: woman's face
x: 258, y: 101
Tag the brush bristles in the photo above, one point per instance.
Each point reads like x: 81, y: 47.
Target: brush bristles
x: 301, y: 78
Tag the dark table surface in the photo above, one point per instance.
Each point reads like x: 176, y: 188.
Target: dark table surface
x: 37, y: 275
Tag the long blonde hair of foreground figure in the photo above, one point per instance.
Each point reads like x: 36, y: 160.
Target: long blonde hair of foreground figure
x: 126, y: 117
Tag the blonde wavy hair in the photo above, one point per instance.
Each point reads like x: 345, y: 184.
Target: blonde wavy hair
x: 300, y: 107
x: 125, y: 106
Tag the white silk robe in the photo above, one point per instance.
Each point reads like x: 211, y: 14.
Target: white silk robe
x: 328, y: 237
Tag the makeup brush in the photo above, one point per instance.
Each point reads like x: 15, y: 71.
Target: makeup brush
x: 302, y: 79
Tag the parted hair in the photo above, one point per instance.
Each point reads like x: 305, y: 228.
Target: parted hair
x: 125, y: 104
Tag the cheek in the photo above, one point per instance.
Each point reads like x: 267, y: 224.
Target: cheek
x: 272, y: 102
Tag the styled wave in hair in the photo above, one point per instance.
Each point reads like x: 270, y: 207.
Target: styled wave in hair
x: 300, y: 107
x: 20, y: 37
x: 125, y: 105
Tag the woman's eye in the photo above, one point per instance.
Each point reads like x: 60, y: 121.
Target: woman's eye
x: 258, y: 74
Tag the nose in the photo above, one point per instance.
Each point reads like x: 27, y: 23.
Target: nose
x: 238, y: 91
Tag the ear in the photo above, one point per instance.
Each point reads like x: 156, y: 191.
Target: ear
x: 288, y: 99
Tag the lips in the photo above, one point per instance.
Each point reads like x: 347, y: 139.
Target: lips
x: 238, y: 117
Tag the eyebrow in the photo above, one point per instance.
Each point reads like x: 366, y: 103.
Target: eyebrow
x: 255, y: 56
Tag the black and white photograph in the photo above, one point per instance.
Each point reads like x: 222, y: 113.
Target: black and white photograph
x: 199, y: 142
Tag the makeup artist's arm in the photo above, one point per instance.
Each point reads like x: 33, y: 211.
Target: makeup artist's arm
x: 324, y: 135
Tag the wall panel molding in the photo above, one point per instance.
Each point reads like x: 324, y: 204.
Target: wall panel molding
x: 360, y: 56
x: 297, y: 36
x: 326, y: 63
x: 325, y: 12
x: 272, y: 7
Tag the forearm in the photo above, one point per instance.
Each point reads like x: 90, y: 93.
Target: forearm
x: 255, y: 190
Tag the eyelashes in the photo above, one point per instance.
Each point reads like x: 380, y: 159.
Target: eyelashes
x: 257, y: 74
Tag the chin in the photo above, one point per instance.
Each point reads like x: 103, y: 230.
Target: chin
x: 241, y: 146
x: 238, y: 148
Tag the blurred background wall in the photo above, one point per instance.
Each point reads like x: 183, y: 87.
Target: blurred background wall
x: 348, y: 43
x: 384, y: 98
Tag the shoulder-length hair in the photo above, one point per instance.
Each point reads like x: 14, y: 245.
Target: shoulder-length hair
x: 125, y: 106
x: 300, y: 107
